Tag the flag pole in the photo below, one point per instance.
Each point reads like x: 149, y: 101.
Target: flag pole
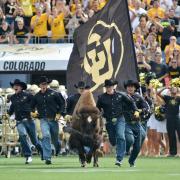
x: 137, y: 71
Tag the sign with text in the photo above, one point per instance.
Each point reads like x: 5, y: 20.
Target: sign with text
x: 41, y: 57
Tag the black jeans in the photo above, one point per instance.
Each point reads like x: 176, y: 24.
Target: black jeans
x: 173, y: 126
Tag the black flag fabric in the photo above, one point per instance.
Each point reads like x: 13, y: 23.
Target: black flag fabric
x: 103, y: 49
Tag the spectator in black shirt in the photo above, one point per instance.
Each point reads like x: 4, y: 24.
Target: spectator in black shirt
x: 18, y: 13
x: 21, y: 33
x: 172, y: 103
x: 158, y: 68
x: 143, y: 66
x: 173, y: 69
x: 172, y: 17
x: 167, y: 32
x: 5, y: 33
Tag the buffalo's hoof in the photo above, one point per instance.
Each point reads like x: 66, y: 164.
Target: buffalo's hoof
x: 83, y: 164
x: 95, y: 165
x: 88, y: 159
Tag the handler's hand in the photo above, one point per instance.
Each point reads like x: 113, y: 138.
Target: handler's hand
x: 68, y: 118
x: 136, y: 114
x: 58, y: 117
x: 6, y: 116
x: 34, y: 114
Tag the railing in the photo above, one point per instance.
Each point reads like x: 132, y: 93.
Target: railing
x: 41, y: 40
x: 8, y: 135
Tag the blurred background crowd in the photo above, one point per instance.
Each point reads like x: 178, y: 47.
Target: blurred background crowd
x: 44, y: 21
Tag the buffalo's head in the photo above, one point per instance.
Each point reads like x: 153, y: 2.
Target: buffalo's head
x: 90, y: 119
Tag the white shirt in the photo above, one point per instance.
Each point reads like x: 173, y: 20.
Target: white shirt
x: 177, y: 14
x: 135, y: 22
x: 166, y: 4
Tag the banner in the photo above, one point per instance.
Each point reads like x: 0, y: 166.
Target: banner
x: 103, y: 49
x: 34, y: 57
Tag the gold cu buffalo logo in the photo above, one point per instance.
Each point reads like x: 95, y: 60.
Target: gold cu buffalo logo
x: 173, y: 102
x: 98, y: 61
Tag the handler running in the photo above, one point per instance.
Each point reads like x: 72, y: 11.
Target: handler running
x: 111, y: 104
x: 21, y: 106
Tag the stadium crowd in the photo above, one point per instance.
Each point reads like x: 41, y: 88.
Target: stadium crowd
x: 43, y: 21
x: 156, y: 35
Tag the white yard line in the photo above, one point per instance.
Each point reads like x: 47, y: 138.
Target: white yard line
x: 86, y: 170
x: 174, y: 174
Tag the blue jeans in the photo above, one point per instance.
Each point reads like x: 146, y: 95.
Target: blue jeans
x: 116, y: 132
x: 133, y: 138
x: 50, y: 133
x: 27, y: 128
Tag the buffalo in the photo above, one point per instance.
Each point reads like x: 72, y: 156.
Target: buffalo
x: 86, y: 129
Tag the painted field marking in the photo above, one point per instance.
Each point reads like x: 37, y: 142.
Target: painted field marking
x: 87, y: 170
x: 74, y: 170
x: 174, y: 174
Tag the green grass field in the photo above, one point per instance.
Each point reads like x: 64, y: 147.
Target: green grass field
x: 68, y: 168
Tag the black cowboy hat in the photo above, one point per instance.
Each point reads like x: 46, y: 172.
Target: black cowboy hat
x: 81, y: 84
x: 110, y: 82
x: 44, y: 79
x: 19, y: 83
x: 131, y: 83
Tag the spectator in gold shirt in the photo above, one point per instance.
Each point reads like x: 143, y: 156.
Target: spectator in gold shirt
x: 156, y: 11
x: 169, y: 49
x: 39, y: 25
x: 56, y: 21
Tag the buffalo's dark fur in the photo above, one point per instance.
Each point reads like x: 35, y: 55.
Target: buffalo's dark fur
x: 86, y: 129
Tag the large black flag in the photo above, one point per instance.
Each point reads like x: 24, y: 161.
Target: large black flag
x: 103, y: 49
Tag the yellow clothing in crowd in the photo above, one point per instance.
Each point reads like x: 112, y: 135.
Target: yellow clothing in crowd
x: 40, y: 28
x: 33, y: 5
x: 73, y: 8
x: 169, y: 51
x: 156, y: 12
x: 138, y: 38
x: 131, y: 7
x: 27, y: 7
x: 147, y: 2
x: 102, y: 4
x: 57, y: 26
